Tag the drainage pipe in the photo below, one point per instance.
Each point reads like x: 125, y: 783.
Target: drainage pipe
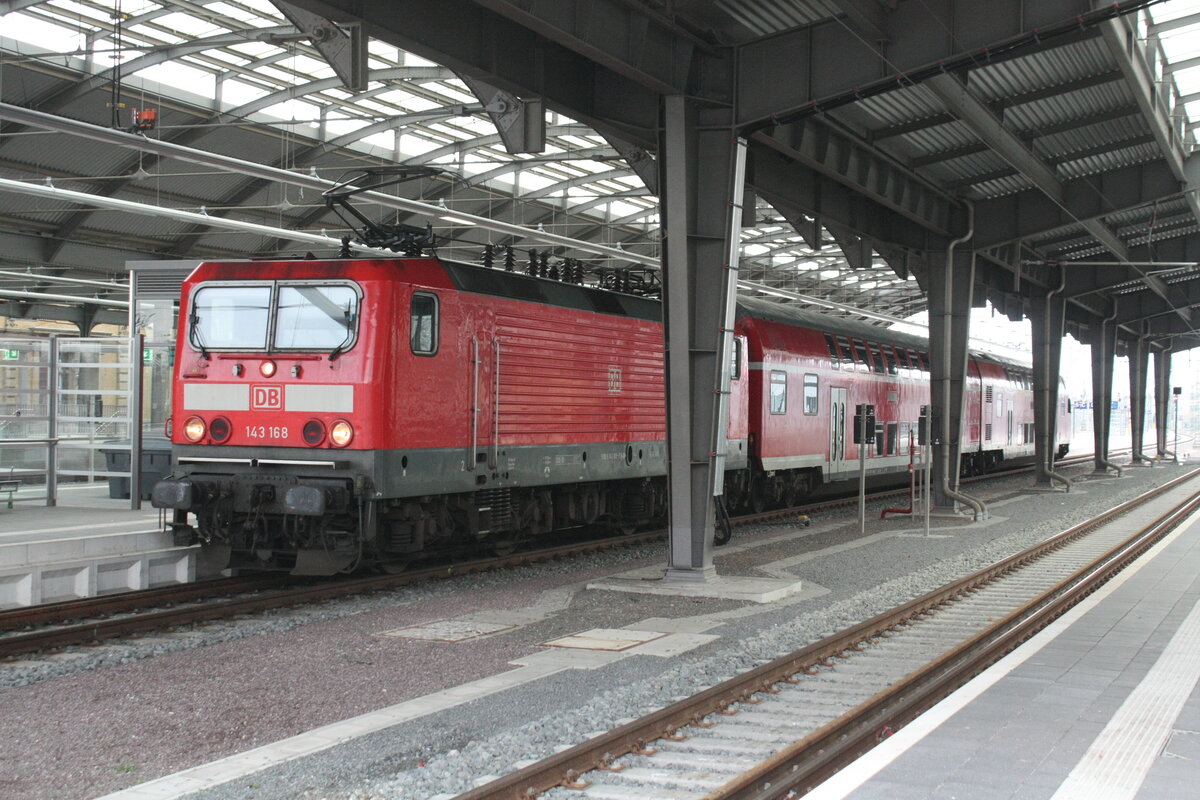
x: 1047, y: 466
x: 947, y: 339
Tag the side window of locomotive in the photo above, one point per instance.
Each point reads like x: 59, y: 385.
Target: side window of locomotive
x: 230, y: 317
x: 778, y: 391
x: 310, y: 317
x: 810, y: 394
x: 735, y: 365
x: 423, y: 327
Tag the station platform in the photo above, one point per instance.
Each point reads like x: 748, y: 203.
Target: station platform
x: 88, y: 544
x: 1101, y: 705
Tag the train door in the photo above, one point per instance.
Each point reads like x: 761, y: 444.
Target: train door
x: 837, y: 429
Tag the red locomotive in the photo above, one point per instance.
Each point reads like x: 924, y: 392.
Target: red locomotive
x: 333, y: 413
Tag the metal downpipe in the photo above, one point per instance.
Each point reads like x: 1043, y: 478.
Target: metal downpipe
x: 947, y: 339
x: 1104, y: 340
x: 1047, y: 467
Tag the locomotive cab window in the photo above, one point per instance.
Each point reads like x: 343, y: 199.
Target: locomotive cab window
x: 735, y: 363
x: 423, y: 328
x: 778, y: 391
x: 230, y: 317
x: 810, y: 394
x: 316, y: 317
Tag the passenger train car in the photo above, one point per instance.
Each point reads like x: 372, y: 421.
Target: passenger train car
x: 329, y: 414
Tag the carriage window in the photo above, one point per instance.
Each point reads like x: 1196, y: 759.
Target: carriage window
x: 834, y: 358
x: 423, y: 326
x: 230, y: 317
x: 778, y: 392
x: 847, y: 354
x: 810, y: 394
x: 860, y: 351
x: 312, y: 317
x: 893, y: 437
x: 890, y: 356
x: 876, y: 358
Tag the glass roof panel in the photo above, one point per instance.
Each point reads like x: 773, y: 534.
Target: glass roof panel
x: 258, y: 69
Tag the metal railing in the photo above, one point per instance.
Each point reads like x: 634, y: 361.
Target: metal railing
x: 71, y: 411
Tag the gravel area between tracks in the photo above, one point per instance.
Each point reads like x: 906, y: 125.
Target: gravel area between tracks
x: 113, y: 717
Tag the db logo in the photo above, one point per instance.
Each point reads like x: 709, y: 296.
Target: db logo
x: 614, y: 380
x: 266, y: 397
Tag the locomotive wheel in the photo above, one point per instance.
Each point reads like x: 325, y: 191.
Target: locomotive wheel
x: 504, y: 546
x: 394, y: 566
x: 758, y: 498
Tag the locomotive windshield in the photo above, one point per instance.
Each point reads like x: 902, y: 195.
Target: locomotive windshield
x: 274, y: 316
x: 230, y: 317
x: 315, y: 317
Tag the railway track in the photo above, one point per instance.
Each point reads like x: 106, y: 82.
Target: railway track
x: 779, y: 730
x: 92, y: 620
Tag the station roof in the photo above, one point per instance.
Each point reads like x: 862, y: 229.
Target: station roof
x: 266, y: 82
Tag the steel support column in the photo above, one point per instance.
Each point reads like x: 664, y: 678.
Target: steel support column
x: 1139, y: 365
x: 1162, y: 401
x: 951, y: 284
x: 698, y: 180
x: 1104, y: 347
x: 1047, y: 317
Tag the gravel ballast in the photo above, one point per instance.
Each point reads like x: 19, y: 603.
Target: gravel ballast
x: 95, y: 720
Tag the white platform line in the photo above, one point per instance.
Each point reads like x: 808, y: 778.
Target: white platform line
x: 305, y: 744
x: 867, y: 767
x: 94, y: 525
x: 1120, y: 758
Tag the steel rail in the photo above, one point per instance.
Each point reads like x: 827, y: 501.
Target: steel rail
x: 94, y: 630
x: 565, y: 768
x: 819, y: 756
x: 123, y: 602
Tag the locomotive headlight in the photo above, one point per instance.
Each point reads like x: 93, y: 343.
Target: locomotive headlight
x: 341, y: 433
x: 194, y: 429
x: 267, y: 368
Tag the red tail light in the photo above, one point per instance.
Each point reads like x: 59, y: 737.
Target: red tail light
x: 314, y: 432
x: 219, y: 429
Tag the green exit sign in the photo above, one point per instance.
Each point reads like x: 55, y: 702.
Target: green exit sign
x: 12, y: 355
x: 146, y: 357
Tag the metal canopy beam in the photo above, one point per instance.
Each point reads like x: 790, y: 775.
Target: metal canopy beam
x: 1031, y: 214
x: 870, y: 174
x: 783, y: 181
x: 625, y: 57
x: 1130, y: 55
x: 924, y: 38
x: 963, y: 104
x: 344, y: 51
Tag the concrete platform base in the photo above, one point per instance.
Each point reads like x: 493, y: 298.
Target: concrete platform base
x: 651, y: 581
x: 89, y: 544
x: 67, y: 569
